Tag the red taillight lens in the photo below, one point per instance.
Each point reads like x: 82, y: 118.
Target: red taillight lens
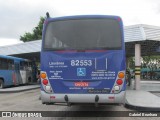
x: 119, y: 82
x: 45, y: 82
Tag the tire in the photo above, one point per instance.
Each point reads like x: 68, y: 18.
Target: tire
x: 1, y: 84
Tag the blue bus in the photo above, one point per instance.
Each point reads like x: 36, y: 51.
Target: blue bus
x: 83, y: 60
x: 14, y: 71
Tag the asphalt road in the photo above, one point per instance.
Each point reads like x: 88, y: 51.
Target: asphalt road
x: 29, y: 101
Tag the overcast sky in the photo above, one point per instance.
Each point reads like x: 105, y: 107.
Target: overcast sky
x: 20, y: 16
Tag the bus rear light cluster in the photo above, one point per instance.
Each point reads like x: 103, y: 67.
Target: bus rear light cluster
x: 45, y: 82
x: 121, y: 75
x: 119, y: 82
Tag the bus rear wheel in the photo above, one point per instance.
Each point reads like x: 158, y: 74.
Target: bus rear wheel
x: 1, y: 84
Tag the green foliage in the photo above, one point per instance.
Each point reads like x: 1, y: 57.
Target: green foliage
x: 36, y: 34
x: 131, y: 62
x: 151, y: 62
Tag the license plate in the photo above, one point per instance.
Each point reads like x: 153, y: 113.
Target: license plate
x: 81, y: 84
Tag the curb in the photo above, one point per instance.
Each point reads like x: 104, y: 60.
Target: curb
x: 154, y: 91
x: 141, y: 108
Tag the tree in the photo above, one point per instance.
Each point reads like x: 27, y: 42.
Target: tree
x: 131, y: 63
x: 152, y: 63
x: 36, y: 34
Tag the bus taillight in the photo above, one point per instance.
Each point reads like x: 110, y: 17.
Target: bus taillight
x: 119, y: 82
x: 121, y: 75
x: 43, y: 75
x: 48, y: 88
x: 45, y: 82
x: 116, y: 88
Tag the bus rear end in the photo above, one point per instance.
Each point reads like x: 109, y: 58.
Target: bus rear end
x: 83, y: 60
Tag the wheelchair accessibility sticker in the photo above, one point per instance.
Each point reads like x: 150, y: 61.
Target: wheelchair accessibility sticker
x: 81, y: 71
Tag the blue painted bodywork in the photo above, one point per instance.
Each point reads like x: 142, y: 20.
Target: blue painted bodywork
x: 63, y: 76
x: 7, y: 75
x: 10, y: 77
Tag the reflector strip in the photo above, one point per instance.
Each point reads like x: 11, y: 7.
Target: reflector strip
x: 111, y: 97
x: 137, y: 70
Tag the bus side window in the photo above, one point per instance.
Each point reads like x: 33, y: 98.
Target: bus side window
x: 21, y: 65
x: 3, y: 64
x: 10, y: 64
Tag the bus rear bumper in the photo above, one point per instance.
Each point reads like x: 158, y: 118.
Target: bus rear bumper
x: 83, y: 98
